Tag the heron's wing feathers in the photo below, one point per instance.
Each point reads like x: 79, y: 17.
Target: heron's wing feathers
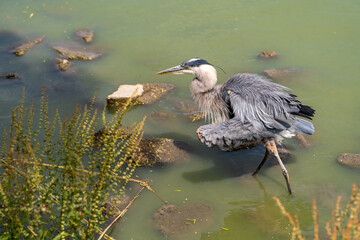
x: 254, y: 99
x: 231, y: 134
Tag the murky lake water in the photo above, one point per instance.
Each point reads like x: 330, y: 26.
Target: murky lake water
x: 140, y: 38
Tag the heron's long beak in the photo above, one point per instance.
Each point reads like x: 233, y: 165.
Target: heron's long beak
x: 176, y: 70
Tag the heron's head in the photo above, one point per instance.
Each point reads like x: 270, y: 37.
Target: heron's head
x: 195, y: 66
x: 205, y: 74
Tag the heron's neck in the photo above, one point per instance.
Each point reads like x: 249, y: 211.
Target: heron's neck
x: 210, y: 103
x: 204, y: 81
x: 206, y: 94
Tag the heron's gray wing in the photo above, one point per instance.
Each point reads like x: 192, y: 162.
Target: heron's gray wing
x: 231, y: 135
x: 260, y: 102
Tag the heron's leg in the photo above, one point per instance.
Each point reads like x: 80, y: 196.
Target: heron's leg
x: 266, y: 157
x: 271, y: 146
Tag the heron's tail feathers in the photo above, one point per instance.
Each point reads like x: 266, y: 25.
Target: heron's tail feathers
x: 305, y: 111
x: 303, y: 127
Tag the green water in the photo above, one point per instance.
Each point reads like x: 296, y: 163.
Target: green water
x: 140, y: 38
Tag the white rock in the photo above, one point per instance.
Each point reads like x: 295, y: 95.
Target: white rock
x: 126, y: 91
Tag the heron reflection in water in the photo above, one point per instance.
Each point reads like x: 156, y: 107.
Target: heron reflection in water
x: 245, y: 111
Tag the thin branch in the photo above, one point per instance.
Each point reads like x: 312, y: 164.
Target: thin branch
x: 122, y: 213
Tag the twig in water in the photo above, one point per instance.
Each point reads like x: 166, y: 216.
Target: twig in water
x: 122, y: 213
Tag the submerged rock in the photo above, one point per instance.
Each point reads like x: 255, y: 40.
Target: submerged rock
x: 326, y: 194
x: 26, y: 46
x: 123, y: 132
x: 76, y: 53
x: 268, y: 54
x: 281, y: 74
x: 63, y: 64
x: 188, y: 108
x: 349, y: 159
x: 145, y: 93
x: 162, y: 116
x: 115, y: 204
x: 161, y: 151
x: 304, y: 140
x: 86, y: 34
x: 264, y: 219
x: 10, y: 76
x: 175, y: 221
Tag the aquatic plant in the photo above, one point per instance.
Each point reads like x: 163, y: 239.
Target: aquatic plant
x: 343, y: 225
x: 55, y: 176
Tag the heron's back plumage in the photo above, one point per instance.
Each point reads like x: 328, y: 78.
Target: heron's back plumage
x: 259, y: 110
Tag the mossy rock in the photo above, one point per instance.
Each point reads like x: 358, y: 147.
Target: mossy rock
x: 26, y: 46
x: 76, y: 52
x: 145, y: 94
x: 162, y: 151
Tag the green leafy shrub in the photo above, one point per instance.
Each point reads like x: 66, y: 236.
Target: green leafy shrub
x: 55, y: 176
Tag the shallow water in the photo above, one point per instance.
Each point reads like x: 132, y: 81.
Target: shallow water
x: 140, y: 38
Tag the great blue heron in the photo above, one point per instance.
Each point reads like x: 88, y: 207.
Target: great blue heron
x: 245, y: 111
